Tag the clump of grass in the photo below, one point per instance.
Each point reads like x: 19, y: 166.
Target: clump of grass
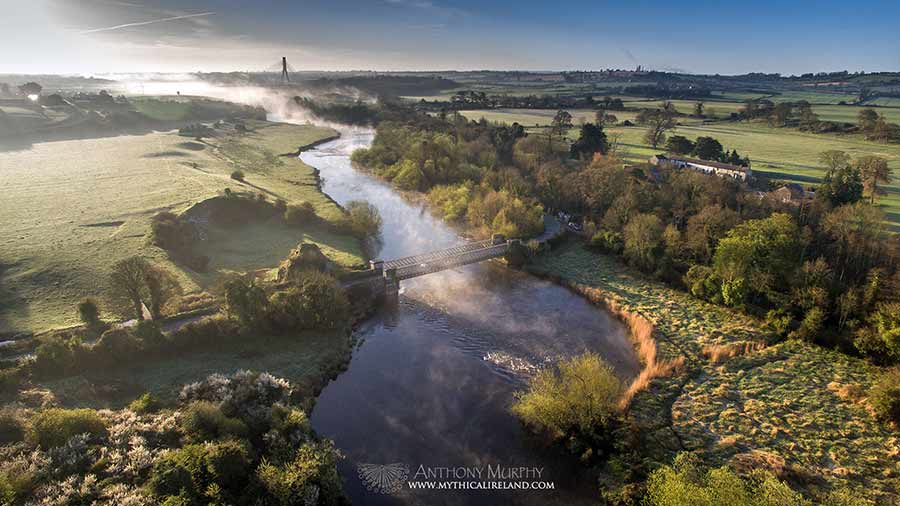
x: 719, y: 353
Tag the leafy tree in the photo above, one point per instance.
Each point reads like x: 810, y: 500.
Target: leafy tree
x: 757, y: 256
x: 808, y: 118
x: 245, y: 301
x: 658, y: 122
x: 30, y: 88
x: 591, y: 140
x: 643, y: 238
x: 364, y: 218
x: 708, y: 148
x: 560, y: 124
x: 578, y: 398
x: 603, y: 118
x: 866, y: 119
x: 857, y: 232
x: 842, y: 183
x: 873, y: 170
x: 679, y: 145
x: 698, y: 109
x: 885, y: 397
x: 89, y: 312
x: 780, y: 114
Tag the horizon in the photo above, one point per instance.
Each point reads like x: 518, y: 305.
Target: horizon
x: 91, y: 37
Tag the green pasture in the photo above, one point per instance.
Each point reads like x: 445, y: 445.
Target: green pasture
x: 72, y: 208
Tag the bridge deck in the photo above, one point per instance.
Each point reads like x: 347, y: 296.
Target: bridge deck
x: 409, y: 261
x: 440, y: 262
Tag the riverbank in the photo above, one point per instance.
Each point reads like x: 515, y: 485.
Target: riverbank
x: 791, y: 407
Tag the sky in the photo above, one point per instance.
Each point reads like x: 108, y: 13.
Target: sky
x: 122, y: 36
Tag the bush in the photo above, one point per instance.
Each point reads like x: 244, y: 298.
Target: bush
x: 315, y: 302
x: 687, y: 483
x: 204, y: 332
x: 116, y: 346
x: 300, y: 214
x: 245, y: 301
x: 313, y: 467
x: 247, y: 395
x: 237, y: 175
x: 145, y: 404
x: 578, y: 399
x: 211, y: 473
x: 11, y: 429
x: 149, y: 334
x: 89, y: 312
x: 607, y: 241
x: 363, y: 218
x: 56, y: 426
x: 885, y: 397
x: 204, y: 421
x: 703, y: 283
x: 56, y: 355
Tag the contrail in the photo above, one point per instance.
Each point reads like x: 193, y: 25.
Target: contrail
x: 152, y: 21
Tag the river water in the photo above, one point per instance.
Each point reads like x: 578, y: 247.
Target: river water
x: 430, y: 384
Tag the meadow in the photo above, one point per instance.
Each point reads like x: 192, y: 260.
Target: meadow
x: 73, y: 208
x: 790, y: 406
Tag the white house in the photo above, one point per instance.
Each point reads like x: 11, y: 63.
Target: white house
x: 706, y: 166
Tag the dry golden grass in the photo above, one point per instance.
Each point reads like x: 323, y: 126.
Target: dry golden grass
x: 642, y: 332
x: 719, y: 353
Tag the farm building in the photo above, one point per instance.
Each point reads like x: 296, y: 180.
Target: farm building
x: 706, y: 166
x: 791, y: 193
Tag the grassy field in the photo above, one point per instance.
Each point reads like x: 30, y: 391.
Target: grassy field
x: 538, y: 117
x: 72, y: 208
x: 781, y: 404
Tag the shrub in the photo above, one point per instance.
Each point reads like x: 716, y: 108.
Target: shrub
x: 312, y: 468
x: 204, y: 421
x: 885, y: 397
x: 300, y: 214
x: 688, y: 483
x: 149, y: 334
x: 363, y: 218
x: 204, y: 332
x: 315, y: 302
x: 145, y: 404
x: 56, y: 426
x: 245, y: 301
x: 11, y: 429
x: 209, y: 473
x: 89, y: 312
x: 237, y: 175
x: 577, y: 399
x: 703, y: 283
x: 56, y: 355
x: 247, y: 395
x: 607, y: 241
x: 115, y: 346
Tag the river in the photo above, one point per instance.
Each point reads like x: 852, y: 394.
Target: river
x: 430, y: 384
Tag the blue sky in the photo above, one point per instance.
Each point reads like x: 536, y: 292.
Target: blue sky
x: 699, y: 36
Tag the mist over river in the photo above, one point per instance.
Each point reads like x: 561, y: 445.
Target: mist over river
x: 430, y: 385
